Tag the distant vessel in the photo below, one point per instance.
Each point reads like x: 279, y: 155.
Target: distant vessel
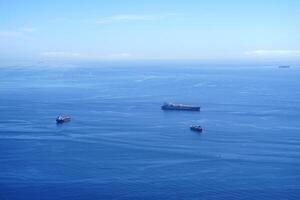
x: 62, y: 119
x: 196, y: 128
x: 284, y: 66
x: 172, y: 106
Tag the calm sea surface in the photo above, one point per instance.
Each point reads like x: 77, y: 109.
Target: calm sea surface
x: 121, y: 145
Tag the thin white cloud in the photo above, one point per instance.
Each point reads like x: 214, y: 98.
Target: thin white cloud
x: 21, y: 32
x: 60, y: 54
x: 273, y: 53
x: 27, y: 29
x: 133, y: 17
x: 118, y: 18
x: 119, y: 55
x: 7, y: 33
x: 63, y: 55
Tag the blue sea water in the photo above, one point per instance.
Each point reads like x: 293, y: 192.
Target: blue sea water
x: 121, y: 145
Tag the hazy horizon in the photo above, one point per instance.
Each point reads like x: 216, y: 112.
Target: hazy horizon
x: 207, y: 31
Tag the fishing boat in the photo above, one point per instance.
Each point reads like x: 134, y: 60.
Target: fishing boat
x: 196, y: 128
x: 63, y: 118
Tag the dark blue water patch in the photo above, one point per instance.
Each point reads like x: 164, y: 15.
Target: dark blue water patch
x: 121, y: 145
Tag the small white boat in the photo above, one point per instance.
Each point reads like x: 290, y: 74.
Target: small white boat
x: 63, y: 118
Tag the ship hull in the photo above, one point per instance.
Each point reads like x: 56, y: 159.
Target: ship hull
x: 184, y: 108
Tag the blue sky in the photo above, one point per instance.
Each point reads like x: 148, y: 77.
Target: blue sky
x: 156, y: 29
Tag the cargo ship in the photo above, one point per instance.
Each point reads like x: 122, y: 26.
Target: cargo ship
x: 172, y: 106
x: 284, y: 66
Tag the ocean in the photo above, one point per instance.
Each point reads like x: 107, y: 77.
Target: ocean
x: 121, y: 145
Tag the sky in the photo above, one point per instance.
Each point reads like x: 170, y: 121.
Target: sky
x: 94, y: 30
